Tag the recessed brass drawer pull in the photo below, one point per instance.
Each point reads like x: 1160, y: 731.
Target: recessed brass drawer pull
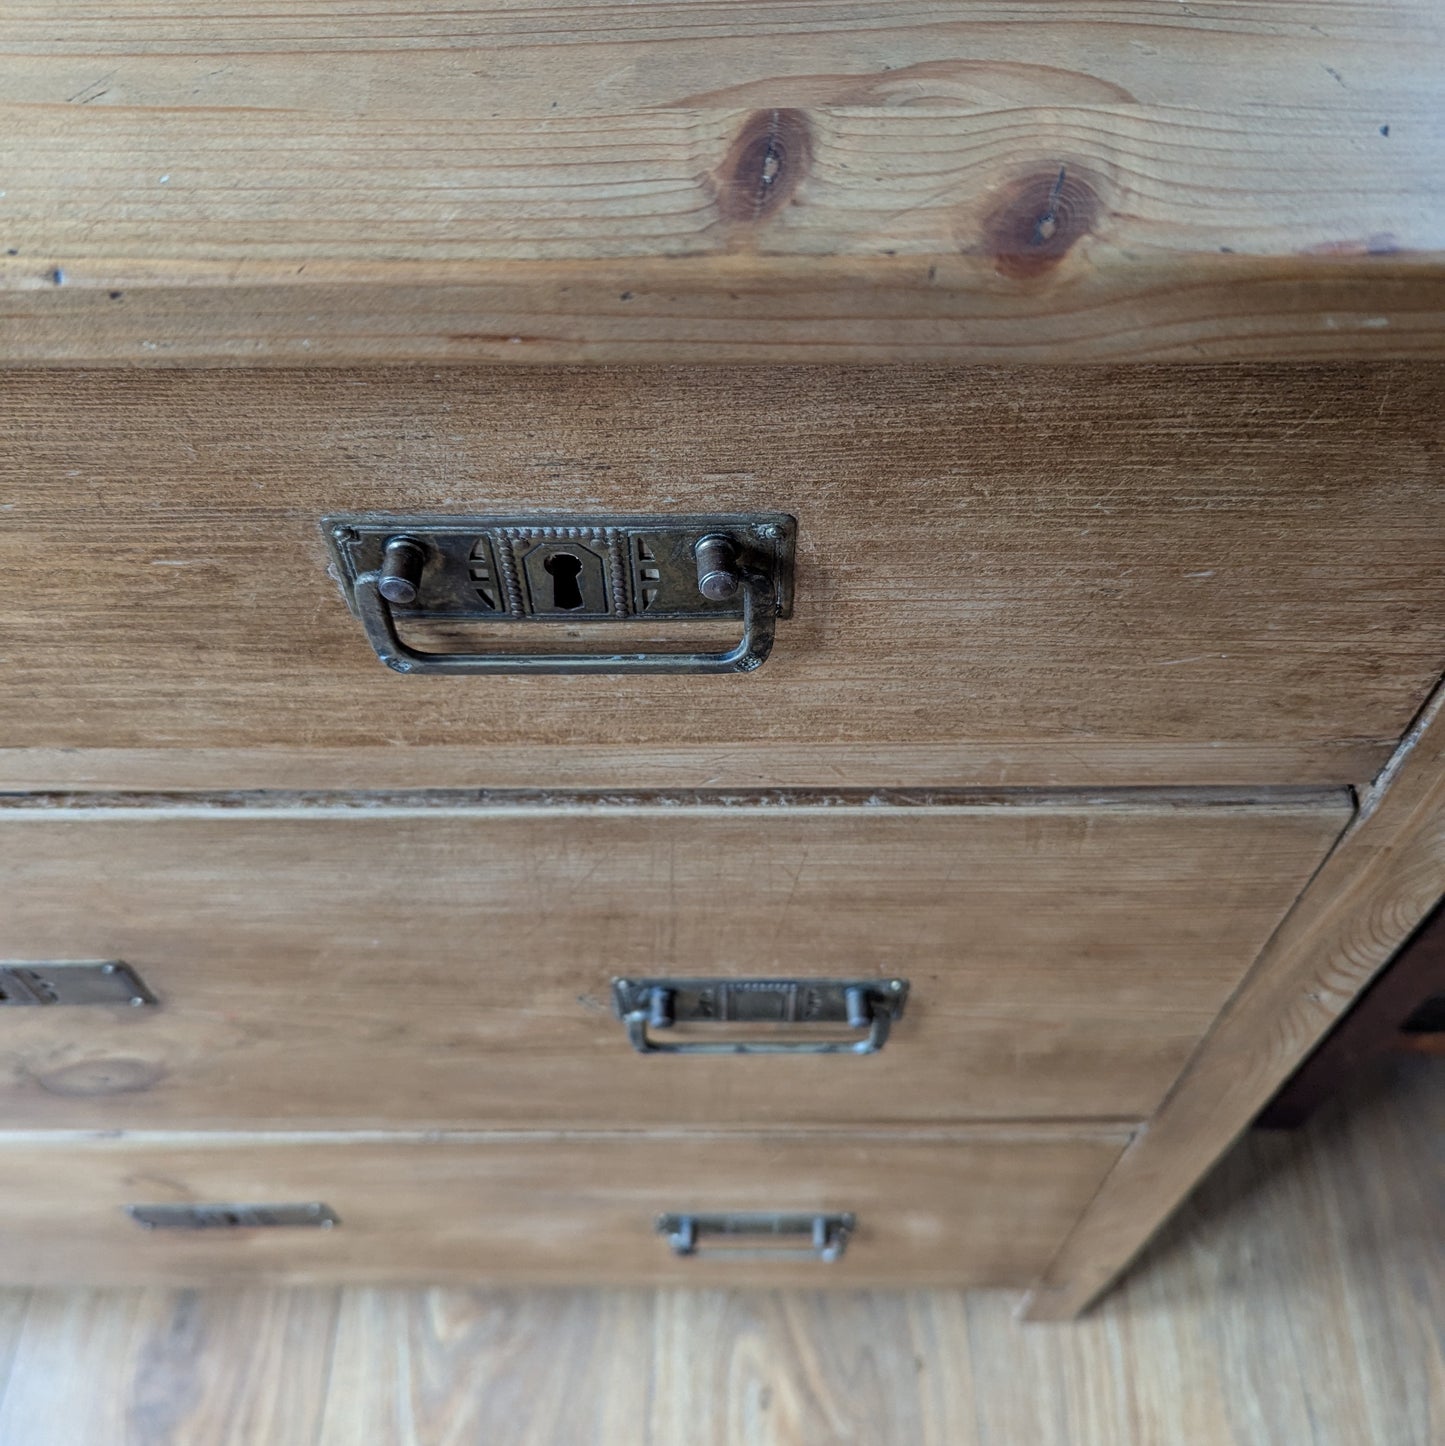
x: 749, y: 1236
x: 585, y: 570
x: 646, y: 1006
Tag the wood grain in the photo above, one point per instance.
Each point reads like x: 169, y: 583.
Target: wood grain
x: 696, y: 181
x: 740, y: 767
x: 981, y: 1209
x: 1296, y: 1299
x: 1386, y: 874
x: 13, y: 1305
x: 1214, y: 575
x: 542, y: 1366
x: 379, y: 965
x: 740, y: 310
x: 1404, y: 994
x: 249, y: 1364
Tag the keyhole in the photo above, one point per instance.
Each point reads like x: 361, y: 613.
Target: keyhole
x: 564, y: 569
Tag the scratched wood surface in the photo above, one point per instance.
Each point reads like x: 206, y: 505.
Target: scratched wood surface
x: 1057, y: 576
x: 697, y: 180
x: 373, y: 967
x: 1297, y: 1300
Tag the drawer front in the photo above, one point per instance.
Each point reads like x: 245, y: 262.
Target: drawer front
x: 979, y: 1210
x: 445, y: 966
x: 1137, y: 576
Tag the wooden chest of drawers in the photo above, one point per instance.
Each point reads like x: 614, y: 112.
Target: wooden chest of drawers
x: 1049, y: 756
x: 1095, y: 766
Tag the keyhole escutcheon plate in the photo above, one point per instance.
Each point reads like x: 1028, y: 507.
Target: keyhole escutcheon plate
x: 501, y: 567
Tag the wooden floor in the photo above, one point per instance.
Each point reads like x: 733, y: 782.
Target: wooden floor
x: 1299, y: 1302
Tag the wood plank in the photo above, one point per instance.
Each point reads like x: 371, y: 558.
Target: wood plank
x: 980, y: 1208
x: 700, y: 182
x: 1386, y: 874
x: 740, y: 766
x: 1118, y: 577
x: 1295, y: 1299
x: 514, y: 1367
x: 377, y: 965
x: 602, y: 56
x: 786, y: 1369
x: 147, y: 1367
x: 739, y: 310
x: 14, y: 1304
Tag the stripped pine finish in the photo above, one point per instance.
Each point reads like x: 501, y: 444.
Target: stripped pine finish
x: 698, y: 181
x: 1217, y: 581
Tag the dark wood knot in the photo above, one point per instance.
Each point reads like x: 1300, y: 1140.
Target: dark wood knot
x: 764, y: 166
x: 1038, y: 220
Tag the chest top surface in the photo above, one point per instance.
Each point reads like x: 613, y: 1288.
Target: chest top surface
x: 690, y: 180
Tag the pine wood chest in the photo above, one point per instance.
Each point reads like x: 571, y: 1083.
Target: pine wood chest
x: 697, y: 648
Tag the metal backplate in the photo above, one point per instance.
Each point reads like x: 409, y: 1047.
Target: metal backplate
x: 778, y: 1016
x: 760, y: 1001
x: 588, y: 568
x: 312, y: 1214
x: 54, y: 981
x: 744, y: 1235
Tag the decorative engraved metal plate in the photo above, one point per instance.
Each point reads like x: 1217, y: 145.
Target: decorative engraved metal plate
x: 647, y: 1006
x: 582, y: 570
x: 500, y: 568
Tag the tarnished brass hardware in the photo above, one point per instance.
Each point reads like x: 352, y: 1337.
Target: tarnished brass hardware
x: 399, y: 579
x: 398, y: 572
x: 821, y: 1237
x: 66, y: 981
x: 313, y: 1215
x: 647, y: 1006
x: 718, y: 578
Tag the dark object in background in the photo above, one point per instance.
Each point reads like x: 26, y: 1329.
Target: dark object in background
x: 1404, y: 1009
